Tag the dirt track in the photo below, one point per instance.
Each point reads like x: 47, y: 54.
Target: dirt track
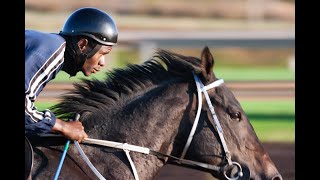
x: 283, y: 155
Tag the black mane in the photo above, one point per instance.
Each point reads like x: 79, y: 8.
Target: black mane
x: 124, y: 84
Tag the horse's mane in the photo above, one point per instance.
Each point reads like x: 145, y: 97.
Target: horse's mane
x: 124, y: 84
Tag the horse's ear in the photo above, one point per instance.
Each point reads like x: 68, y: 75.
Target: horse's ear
x: 207, y: 63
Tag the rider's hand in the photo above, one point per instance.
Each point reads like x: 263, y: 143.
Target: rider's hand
x: 73, y: 130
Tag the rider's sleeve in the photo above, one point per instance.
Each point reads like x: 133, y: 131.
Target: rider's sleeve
x: 37, y: 122
x: 41, y: 121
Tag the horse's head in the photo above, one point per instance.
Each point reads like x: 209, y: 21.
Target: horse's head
x: 224, y: 136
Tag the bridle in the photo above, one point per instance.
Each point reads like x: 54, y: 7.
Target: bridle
x: 203, y: 89
x: 128, y: 147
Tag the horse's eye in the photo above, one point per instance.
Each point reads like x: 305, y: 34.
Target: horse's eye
x: 235, y: 116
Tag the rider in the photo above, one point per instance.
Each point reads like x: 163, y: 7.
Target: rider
x: 86, y: 37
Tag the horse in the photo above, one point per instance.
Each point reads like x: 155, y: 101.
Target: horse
x: 173, y: 106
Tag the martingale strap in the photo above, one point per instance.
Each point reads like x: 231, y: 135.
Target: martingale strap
x: 86, y: 159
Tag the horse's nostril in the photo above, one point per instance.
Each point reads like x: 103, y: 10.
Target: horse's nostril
x: 277, y: 177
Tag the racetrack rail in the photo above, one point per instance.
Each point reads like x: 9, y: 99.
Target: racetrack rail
x: 243, y: 90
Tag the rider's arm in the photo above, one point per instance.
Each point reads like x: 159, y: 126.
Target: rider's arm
x: 44, y: 57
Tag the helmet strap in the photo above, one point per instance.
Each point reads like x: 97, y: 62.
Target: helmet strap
x: 94, y: 50
x: 84, y: 56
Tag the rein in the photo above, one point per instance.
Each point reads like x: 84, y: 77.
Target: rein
x: 128, y: 147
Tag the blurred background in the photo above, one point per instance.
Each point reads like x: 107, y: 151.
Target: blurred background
x: 252, y: 41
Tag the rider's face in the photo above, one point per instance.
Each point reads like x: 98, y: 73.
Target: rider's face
x: 96, y: 62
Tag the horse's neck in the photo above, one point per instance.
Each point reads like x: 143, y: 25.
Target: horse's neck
x: 154, y: 118
x: 151, y: 121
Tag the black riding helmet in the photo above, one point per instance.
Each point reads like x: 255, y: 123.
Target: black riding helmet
x: 95, y: 25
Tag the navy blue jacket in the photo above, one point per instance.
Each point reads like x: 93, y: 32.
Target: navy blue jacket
x: 44, y: 58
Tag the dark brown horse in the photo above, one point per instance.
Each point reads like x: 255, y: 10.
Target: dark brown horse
x: 174, y: 106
